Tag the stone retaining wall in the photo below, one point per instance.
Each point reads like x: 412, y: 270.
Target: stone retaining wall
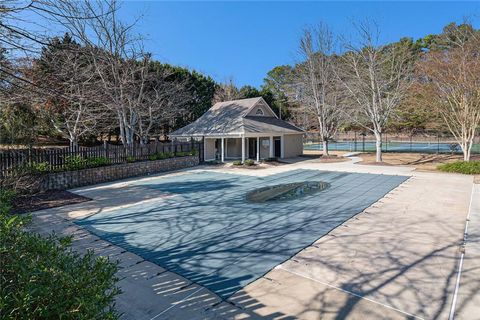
x: 79, y: 178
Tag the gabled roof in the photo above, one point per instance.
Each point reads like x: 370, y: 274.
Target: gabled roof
x: 231, y: 117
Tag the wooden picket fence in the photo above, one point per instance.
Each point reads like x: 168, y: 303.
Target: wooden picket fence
x: 55, y: 158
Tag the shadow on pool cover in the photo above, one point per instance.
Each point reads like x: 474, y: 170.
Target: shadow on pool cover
x: 212, y: 236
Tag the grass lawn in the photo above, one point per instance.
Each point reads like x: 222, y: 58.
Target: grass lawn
x: 421, y: 161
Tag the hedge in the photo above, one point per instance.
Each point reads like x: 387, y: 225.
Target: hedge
x: 42, y: 278
x: 471, y: 167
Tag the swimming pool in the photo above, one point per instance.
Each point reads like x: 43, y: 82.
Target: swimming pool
x: 202, y: 227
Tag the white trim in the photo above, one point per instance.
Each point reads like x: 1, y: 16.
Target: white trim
x: 258, y: 149
x: 219, y: 135
x: 270, y: 151
x: 255, y: 104
x: 222, y: 149
x: 243, y: 149
x: 282, y: 147
x: 268, y: 134
x: 239, y: 134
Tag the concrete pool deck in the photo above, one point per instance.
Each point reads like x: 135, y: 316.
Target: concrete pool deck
x: 397, y: 259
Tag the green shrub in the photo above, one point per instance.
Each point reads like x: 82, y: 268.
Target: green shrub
x: 39, y: 167
x: 471, y: 167
x: 6, y: 197
x: 249, y: 162
x: 71, y: 163
x: 153, y: 157
x: 75, y: 163
x: 41, y: 278
x: 131, y: 159
x: 78, y: 162
x: 98, y: 162
x: 270, y: 159
x: 237, y: 163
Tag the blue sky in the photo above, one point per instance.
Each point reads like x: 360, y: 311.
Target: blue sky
x: 244, y: 40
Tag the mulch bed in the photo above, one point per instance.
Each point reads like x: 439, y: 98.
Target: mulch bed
x: 325, y: 159
x: 45, y: 200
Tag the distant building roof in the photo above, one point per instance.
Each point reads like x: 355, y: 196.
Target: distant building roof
x: 232, y: 118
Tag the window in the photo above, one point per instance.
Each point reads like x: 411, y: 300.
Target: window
x: 259, y: 112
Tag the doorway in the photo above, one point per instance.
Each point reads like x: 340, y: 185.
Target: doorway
x: 277, y: 148
x: 252, y: 148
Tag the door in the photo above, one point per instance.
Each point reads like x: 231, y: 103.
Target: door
x: 217, y: 149
x: 252, y: 148
x: 277, y: 148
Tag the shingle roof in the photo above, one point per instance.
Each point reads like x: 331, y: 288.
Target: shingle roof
x: 230, y: 117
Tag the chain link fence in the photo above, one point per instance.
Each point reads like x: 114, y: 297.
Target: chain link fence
x: 431, y: 142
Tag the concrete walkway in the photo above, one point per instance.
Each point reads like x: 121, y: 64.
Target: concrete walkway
x: 468, y: 300
x: 398, y: 259
x: 395, y: 260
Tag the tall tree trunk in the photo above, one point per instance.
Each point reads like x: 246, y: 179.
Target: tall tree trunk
x: 73, y: 142
x: 466, y: 149
x: 378, y: 147
x: 325, y: 147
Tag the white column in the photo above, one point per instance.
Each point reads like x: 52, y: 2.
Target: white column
x: 271, y: 147
x: 223, y: 150
x: 258, y: 149
x: 282, y: 146
x: 243, y: 149
x: 204, y: 149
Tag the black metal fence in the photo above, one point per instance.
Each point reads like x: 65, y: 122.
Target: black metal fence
x: 62, y: 158
x: 428, y: 143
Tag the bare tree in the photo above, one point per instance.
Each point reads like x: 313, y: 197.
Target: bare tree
x: 139, y: 96
x: 25, y: 27
x: 164, y: 100
x: 317, y: 87
x: 226, y: 91
x: 450, y: 82
x: 116, y: 55
x: 376, y: 79
x: 74, y: 110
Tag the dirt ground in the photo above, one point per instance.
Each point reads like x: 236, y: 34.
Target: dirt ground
x: 45, y: 200
x: 319, y: 152
x: 421, y: 161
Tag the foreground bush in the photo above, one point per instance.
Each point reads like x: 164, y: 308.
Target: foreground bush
x: 41, y: 278
x: 249, y: 162
x: 472, y: 167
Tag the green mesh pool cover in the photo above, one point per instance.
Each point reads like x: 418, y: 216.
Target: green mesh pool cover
x: 202, y: 227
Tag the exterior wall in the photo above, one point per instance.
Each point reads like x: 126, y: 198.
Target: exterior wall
x: 209, y: 149
x: 293, y: 145
x: 234, y: 148
x: 79, y: 178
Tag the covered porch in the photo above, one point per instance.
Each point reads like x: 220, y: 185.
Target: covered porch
x: 255, y: 147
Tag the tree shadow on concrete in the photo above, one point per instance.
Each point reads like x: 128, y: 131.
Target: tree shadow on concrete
x: 402, y: 268
x: 224, y: 247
